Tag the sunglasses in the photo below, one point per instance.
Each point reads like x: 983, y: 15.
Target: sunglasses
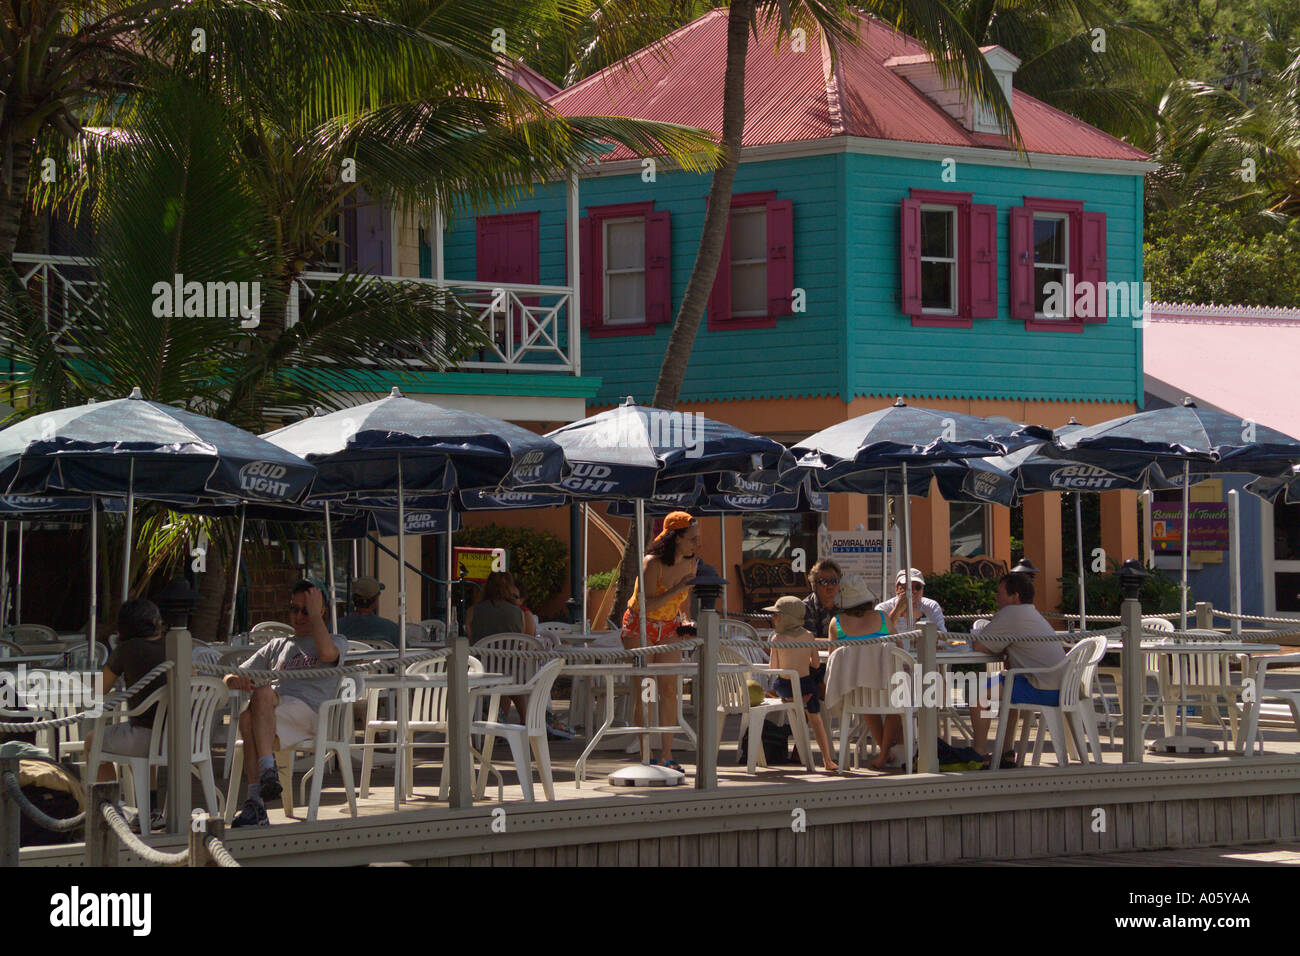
x: 826, y: 582
x: 915, y: 587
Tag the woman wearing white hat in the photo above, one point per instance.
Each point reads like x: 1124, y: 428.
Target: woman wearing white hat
x: 859, y: 620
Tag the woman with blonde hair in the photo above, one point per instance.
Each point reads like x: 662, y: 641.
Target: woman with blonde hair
x: 669, y: 566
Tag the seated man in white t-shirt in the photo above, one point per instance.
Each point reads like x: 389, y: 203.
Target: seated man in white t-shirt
x: 923, y: 608
x: 1016, y: 617
x: 281, y: 714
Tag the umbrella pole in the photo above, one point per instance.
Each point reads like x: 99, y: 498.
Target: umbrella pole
x: 234, y: 577
x: 884, y: 541
x: 722, y: 532
x: 1187, y: 500
x: 130, y: 527
x: 907, y: 548
x: 640, y: 592
x: 403, y: 701
x: 586, y: 525
x: 4, y: 577
x: 329, y: 569
x: 94, y: 574
x: 18, y: 583
x: 1078, y: 541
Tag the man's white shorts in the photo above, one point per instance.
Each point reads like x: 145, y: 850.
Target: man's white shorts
x: 128, y: 739
x: 295, y: 720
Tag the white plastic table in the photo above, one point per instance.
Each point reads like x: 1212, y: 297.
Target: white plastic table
x: 1243, y: 648
x: 613, y: 670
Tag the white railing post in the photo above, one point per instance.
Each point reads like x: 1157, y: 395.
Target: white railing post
x: 575, y: 295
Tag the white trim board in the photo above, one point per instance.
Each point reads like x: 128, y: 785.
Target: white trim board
x: 922, y: 151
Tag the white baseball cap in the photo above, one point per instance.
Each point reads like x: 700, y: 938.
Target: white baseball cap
x: 911, y: 573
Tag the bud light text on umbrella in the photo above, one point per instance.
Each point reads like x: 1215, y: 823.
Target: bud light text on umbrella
x: 1083, y: 476
x: 260, y: 478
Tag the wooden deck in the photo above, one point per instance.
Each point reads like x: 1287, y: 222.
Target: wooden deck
x: 786, y: 816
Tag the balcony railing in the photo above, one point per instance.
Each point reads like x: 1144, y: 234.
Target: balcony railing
x: 529, y: 326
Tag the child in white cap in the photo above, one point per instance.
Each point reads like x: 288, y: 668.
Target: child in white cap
x: 787, y: 620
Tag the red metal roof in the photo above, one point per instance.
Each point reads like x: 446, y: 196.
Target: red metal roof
x: 796, y: 96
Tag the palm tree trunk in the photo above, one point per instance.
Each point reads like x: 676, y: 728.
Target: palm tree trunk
x: 12, y: 196
x: 716, y: 218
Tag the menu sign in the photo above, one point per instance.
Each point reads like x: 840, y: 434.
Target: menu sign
x: 1207, y: 528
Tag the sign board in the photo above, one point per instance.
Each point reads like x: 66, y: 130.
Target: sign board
x: 475, y: 564
x: 1207, y: 527
x: 858, y: 552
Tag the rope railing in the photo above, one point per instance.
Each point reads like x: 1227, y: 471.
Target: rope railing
x: 122, y: 830
x: 217, y: 850
x: 51, y: 723
x: 1253, y: 617
x: 35, y: 814
x: 260, y: 676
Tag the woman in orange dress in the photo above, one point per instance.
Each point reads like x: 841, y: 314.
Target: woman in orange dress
x: 669, y: 565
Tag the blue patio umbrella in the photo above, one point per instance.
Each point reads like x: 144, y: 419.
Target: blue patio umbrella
x: 735, y: 495
x: 635, y: 452
x: 132, y: 447
x: 1189, y: 439
x: 1004, y: 479
x: 395, y: 446
x: 858, y: 455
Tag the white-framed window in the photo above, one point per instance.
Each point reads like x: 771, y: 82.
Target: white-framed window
x: 749, y: 261
x: 939, y: 283
x: 624, y: 245
x: 1051, y: 259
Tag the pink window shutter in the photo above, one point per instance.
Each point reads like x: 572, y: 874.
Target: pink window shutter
x: 983, y: 261
x: 910, y: 256
x: 1093, y: 265
x: 1021, y: 266
x: 658, y: 278
x: 780, y: 257
x: 587, y: 273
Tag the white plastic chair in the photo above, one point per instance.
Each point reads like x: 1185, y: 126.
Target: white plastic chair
x: 1204, y: 678
x: 556, y: 628
x: 876, y: 700
x: 416, y: 633
x: 1083, y: 714
x: 979, y: 624
x: 33, y: 638
x: 1264, y: 696
x: 519, y: 669
x: 266, y: 630
x: 79, y: 659
x: 1068, y: 675
x: 8, y: 648
x: 521, y: 736
x: 737, y: 630
x: 333, y: 739
x: 427, y: 714
x: 733, y: 698
x: 206, y: 693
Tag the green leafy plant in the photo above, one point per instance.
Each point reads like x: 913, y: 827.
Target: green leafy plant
x: 601, y: 579
x: 1159, y: 593
x: 961, y: 593
x: 537, y: 559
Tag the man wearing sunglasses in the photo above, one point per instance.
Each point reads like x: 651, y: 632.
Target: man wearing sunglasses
x: 281, y: 714
x: 923, y: 608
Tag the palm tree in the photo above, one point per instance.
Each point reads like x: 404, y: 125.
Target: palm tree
x: 228, y: 165
x: 931, y: 22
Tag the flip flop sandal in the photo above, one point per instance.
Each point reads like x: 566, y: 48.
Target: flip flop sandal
x: 673, y: 765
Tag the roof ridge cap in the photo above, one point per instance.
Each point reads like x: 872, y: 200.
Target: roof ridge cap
x: 834, y: 85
